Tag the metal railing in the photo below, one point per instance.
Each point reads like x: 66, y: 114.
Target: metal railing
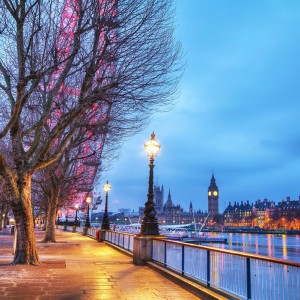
x: 79, y: 229
x: 243, y: 275
x: 246, y: 276
x: 92, y: 232
x: 121, y: 239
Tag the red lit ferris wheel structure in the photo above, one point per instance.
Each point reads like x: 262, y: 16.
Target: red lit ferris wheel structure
x: 91, y: 148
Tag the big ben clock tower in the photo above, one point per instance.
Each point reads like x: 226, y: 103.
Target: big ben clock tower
x: 213, y: 198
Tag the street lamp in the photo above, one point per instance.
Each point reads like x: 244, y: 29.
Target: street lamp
x: 3, y: 221
x: 149, y: 223
x: 67, y: 218
x: 88, y: 200
x: 105, y: 221
x: 58, y: 213
x: 76, y: 209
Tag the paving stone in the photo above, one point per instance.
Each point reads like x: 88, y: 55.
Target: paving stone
x: 78, y: 267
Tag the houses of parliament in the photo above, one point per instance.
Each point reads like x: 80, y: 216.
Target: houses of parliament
x: 264, y: 214
x: 169, y: 213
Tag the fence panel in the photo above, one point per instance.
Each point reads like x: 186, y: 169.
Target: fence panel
x: 158, y: 251
x: 195, y: 263
x: 242, y: 275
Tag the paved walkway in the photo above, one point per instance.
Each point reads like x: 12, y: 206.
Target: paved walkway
x: 78, y: 267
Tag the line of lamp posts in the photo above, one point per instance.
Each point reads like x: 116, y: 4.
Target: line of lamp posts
x: 88, y: 201
x: 142, y: 243
x: 149, y: 225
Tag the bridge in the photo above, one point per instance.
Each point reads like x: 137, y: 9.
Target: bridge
x: 168, y: 230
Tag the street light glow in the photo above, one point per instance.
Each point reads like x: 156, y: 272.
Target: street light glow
x: 149, y: 224
x: 107, y: 187
x: 105, y: 220
x: 88, y: 199
x: 152, y: 147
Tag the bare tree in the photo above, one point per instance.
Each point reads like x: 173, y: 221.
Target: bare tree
x: 63, y: 60
x: 4, y: 204
x: 73, y: 175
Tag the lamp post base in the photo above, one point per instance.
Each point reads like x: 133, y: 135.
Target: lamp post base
x: 87, y: 223
x: 84, y: 230
x: 105, y: 226
x: 141, y: 250
x: 105, y: 222
x: 151, y: 228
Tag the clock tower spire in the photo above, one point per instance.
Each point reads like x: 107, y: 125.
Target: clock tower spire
x: 213, y: 197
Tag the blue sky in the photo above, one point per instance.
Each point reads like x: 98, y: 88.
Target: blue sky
x: 237, y: 114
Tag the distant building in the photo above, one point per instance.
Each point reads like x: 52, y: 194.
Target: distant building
x: 238, y: 214
x: 159, y: 198
x: 288, y: 213
x: 289, y: 209
x: 263, y: 211
x: 172, y: 212
x: 213, y: 198
x: 264, y: 214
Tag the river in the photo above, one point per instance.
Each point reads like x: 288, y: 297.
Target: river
x: 272, y: 245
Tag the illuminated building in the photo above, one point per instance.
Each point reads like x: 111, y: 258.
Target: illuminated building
x: 213, y: 198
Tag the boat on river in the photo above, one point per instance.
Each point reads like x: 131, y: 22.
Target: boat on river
x: 205, y: 240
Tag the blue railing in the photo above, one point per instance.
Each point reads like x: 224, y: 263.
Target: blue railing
x: 121, y: 239
x: 242, y: 275
x: 239, y: 274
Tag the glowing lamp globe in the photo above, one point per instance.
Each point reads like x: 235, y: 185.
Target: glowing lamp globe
x: 107, y: 187
x: 152, y: 147
x: 88, y: 199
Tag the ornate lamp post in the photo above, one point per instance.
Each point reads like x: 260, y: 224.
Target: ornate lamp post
x: 149, y: 222
x: 76, y: 209
x: 105, y: 221
x: 88, y: 200
x: 3, y: 221
x: 67, y: 218
x: 58, y: 213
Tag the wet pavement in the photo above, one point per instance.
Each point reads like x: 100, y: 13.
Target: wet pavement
x: 78, y: 267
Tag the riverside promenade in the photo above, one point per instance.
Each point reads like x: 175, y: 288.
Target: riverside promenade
x: 79, y: 267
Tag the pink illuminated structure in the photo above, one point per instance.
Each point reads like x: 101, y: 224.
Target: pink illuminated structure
x: 91, y: 149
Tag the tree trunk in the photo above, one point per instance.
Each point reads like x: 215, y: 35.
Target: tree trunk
x: 26, y: 250
x: 50, y: 222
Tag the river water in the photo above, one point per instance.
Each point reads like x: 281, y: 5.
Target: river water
x: 272, y: 245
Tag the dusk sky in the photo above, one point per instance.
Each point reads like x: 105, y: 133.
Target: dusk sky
x: 237, y: 113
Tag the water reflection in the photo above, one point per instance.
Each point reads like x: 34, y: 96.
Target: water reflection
x: 279, y: 246
x: 269, y: 237
x: 284, y: 248
x: 256, y: 244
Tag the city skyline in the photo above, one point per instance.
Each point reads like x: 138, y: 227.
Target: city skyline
x: 236, y: 115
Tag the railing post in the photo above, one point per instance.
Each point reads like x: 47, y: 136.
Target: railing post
x: 208, y: 269
x: 152, y: 249
x: 165, y: 256
x: 248, y: 278
x: 182, y: 260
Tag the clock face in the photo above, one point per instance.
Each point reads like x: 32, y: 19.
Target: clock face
x: 209, y: 193
x: 215, y: 193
